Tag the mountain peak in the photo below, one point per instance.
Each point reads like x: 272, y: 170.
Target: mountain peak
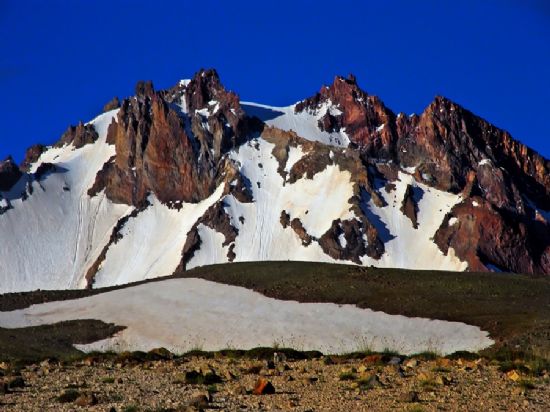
x: 184, y: 177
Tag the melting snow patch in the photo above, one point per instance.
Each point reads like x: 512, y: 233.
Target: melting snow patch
x: 294, y: 155
x: 410, y: 169
x: 342, y: 240
x: 183, y: 313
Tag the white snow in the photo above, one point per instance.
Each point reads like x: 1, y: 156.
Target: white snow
x: 316, y: 202
x: 342, y: 240
x: 185, y: 82
x: 152, y: 242
x: 215, y: 252
x: 50, y: 239
x: 452, y: 221
x: 475, y: 204
x: 406, y: 247
x: 485, y: 162
x: 410, y: 169
x: 380, y: 128
x: 294, y: 155
x: 303, y: 123
x: 182, y: 314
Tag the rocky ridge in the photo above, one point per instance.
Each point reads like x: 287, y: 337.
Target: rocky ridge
x: 177, y: 145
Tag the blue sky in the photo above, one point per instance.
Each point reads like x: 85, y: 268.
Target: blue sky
x: 60, y: 61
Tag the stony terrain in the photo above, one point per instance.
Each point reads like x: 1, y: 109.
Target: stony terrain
x: 264, y: 381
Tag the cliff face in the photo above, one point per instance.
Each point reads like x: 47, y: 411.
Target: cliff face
x: 449, y: 148
x: 336, y: 177
x: 170, y: 143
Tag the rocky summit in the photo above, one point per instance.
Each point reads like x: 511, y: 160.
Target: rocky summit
x: 167, y: 180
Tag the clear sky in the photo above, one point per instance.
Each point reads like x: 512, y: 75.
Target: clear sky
x: 60, y: 61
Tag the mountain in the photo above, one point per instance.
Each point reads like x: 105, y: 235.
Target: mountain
x: 168, y: 180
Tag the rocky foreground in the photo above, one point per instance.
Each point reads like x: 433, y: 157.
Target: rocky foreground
x: 160, y: 382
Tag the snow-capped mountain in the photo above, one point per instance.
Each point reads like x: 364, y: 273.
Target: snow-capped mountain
x: 168, y: 180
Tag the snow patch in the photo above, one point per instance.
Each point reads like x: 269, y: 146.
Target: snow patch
x: 51, y: 238
x: 303, y: 123
x: 152, y: 242
x: 181, y: 314
x: 294, y: 155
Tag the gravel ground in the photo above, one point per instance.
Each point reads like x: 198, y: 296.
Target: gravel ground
x: 227, y: 383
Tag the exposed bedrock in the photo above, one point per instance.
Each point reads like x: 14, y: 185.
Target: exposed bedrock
x: 444, y: 144
x: 162, y: 149
x: 362, y: 116
x: 492, y: 239
x: 409, y: 206
x: 351, y: 240
x: 32, y: 154
x: 112, y: 104
x: 79, y: 135
x: 298, y: 227
x: 217, y: 219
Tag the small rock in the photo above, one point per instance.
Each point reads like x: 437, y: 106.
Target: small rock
x: 17, y: 382
x: 372, y: 359
x: 199, y: 400
x: 443, y: 362
x: 4, y: 389
x: 410, y: 396
x: 263, y: 387
x: 396, y: 360
x: 410, y: 363
x: 86, y: 400
x: 372, y: 381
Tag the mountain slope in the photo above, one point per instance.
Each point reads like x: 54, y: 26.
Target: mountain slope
x: 190, y: 176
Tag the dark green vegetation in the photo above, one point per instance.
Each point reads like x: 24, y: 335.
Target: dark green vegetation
x: 514, y: 309
x: 39, y: 342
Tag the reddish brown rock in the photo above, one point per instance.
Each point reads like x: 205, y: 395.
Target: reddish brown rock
x: 79, y: 135
x: 351, y: 240
x: 112, y: 104
x: 217, y: 219
x: 32, y: 154
x: 368, y: 123
x: 285, y: 219
x: 409, y: 207
x: 296, y: 225
x: 162, y: 152
x: 263, y: 387
x: 483, y: 236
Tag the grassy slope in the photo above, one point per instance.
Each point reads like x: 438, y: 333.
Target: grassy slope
x: 515, y: 309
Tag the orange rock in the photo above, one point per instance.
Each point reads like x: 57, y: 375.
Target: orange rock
x: 263, y: 387
x: 372, y: 359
